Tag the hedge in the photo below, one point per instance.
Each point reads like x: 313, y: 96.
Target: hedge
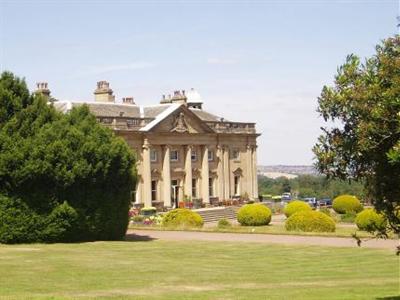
x: 346, y: 204
x: 310, y: 221
x: 370, y: 220
x: 295, y: 206
x: 255, y: 214
x: 182, y: 218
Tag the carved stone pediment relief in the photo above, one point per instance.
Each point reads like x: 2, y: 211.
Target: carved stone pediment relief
x: 180, y: 124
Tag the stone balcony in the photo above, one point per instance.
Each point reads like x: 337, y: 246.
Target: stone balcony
x: 232, y: 127
x: 120, y: 123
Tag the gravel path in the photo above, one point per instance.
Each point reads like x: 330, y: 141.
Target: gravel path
x: 259, y: 238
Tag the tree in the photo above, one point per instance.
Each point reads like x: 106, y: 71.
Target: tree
x: 71, y: 175
x: 363, y: 139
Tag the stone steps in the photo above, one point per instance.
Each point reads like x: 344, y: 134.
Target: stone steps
x: 216, y: 214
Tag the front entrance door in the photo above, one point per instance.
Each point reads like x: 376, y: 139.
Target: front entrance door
x: 175, y: 192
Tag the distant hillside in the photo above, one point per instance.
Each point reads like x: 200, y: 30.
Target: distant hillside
x: 286, y: 171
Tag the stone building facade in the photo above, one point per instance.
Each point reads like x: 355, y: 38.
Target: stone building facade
x: 183, y: 152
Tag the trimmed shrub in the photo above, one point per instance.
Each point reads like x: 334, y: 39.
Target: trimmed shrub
x: 148, y: 211
x: 182, y: 217
x: 224, y: 223
x: 310, y: 221
x: 348, y: 217
x: 295, y: 206
x: 254, y: 215
x: 370, y: 220
x: 347, y: 203
x: 326, y: 211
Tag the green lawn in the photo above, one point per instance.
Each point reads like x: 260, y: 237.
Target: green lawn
x: 195, y: 270
x: 341, y: 231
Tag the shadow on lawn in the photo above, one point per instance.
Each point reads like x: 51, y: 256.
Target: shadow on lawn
x: 389, y: 298
x: 131, y: 237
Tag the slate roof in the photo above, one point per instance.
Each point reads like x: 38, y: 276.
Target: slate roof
x: 102, y: 109
x: 130, y: 111
x: 154, y: 111
x: 206, y: 116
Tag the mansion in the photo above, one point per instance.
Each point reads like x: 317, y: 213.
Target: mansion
x: 183, y: 152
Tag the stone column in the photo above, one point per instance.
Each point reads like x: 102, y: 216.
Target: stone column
x: 187, y: 189
x: 146, y: 174
x: 248, y: 176
x: 166, y: 177
x: 138, y: 193
x: 255, y: 180
x: 204, y: 175
x: 227, y: 175
x: 220, y: 174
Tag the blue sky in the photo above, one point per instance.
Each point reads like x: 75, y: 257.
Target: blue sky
x: 259, y: 61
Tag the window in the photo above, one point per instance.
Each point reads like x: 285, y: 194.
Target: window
x: 211, y: 186
x: 174, y: 191
x: 236, y: 154
x: 194, y: 155
x: 107, y: 120
x: 174, y: 155
x: 210, y: 155
x: 153, y: 155
x: 153, y: 190
x: 194, y: 187
x: 237, y: 182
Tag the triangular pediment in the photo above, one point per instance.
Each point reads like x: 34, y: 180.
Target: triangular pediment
x: 181, y: 120
x: 238, y: 172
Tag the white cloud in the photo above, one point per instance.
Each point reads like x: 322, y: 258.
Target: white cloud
x: 221, y: 61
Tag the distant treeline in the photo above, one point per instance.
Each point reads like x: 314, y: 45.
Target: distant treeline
x: 305, y: 186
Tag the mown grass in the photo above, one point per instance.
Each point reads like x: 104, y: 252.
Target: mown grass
x: 341, y: 231
x: 158, y: 269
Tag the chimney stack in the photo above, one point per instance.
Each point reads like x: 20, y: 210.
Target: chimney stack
x: 128, y: 100
x: 179, y: 97
x: 165, y: 100
x: 42, y: 88
x: 103, y: 93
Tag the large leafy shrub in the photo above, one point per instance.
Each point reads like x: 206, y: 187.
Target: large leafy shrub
x: 47, y: 158
x: 295, y: 206
x: 182, y: 218
x: 370, y: 220
x: 346, y: 204
x: 21, y: 224
x: 310, y: 221
x: 255, y: 214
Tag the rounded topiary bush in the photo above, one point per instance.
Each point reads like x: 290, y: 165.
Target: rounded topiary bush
x: 182, y: 217
x: 255, y: 214
x: 295, y: 206
x: 310, y: 221
x: 370, y: 220
x: 224, y: 223
x: 346, y: 204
